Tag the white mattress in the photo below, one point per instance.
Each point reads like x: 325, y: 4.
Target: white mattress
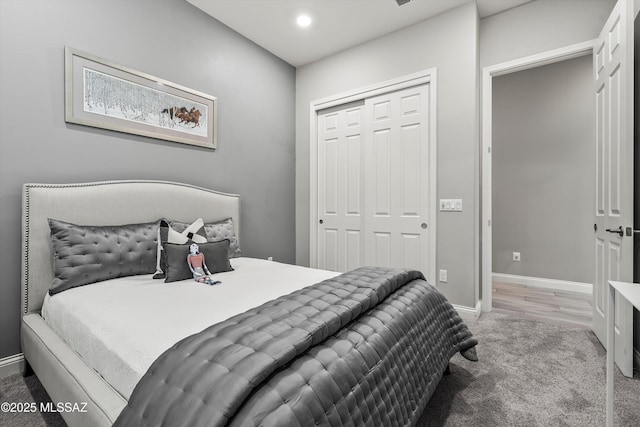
x: 121, y: 326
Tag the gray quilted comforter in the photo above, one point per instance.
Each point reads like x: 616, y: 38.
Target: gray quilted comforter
x: 365, y: 348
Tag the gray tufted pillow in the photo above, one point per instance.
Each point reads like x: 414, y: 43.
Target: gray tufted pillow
x: 85, y: 254
x: 217, y: 231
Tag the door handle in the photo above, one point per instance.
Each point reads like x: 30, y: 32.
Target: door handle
x: 618, y: 231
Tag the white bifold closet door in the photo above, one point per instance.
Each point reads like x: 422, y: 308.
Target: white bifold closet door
x: 374, y: 190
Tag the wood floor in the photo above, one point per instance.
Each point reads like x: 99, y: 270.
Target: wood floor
x: 561, y: 307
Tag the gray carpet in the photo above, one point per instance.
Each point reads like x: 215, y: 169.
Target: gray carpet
x: 529, y: 374
x: 16, y: 389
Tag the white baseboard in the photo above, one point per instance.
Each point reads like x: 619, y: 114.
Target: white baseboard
x: 539, y: 282
x: 468, y: 313
x: 11, y: 365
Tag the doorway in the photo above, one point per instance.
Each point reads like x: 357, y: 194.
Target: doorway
x: 543, y: 191
x: 489, y: 73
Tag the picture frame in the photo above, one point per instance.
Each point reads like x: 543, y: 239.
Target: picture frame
x: 102, y: 94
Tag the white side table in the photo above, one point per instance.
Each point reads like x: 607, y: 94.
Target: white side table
x: 631, y: 292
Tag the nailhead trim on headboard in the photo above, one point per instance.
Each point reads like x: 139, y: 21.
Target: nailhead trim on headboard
x: 26, y: 251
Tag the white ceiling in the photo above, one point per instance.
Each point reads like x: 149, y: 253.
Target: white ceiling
x: 337, y: 24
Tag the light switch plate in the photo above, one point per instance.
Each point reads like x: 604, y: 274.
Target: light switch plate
x: 451, y: 205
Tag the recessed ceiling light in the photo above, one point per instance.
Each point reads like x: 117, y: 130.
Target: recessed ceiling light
x: 304, y: 20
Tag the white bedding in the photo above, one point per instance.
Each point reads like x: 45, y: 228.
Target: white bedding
x: 121, y: 326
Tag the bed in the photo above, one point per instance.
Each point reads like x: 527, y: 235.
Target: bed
x: 361, y: 348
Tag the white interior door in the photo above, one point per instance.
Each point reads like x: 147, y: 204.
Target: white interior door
x: 340, y: 145
x: 613, y: 74
x: 376, y: 182
x: 397, y: 221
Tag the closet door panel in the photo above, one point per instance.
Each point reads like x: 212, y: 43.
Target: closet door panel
x: 397, y: 179
x: 340, y: 196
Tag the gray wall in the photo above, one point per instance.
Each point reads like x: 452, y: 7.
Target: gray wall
x: 172, y: 40
x: 449, y: 43
x: 540, y: 26
x: 543, y: 171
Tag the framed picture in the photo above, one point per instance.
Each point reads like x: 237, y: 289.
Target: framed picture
x: 102, y: 94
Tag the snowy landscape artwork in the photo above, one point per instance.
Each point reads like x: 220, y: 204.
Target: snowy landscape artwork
x: 102, y: 94
x: 111, y: 96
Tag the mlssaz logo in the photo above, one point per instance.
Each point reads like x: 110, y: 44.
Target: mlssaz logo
x: 63, y: 407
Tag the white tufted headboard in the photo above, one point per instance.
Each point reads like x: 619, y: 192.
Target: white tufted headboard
x: 105, y: 203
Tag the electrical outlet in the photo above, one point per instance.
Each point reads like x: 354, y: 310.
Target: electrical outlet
x: 516, y: 256
x: 443, y: 276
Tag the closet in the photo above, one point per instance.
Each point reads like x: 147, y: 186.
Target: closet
x: 376, y: 182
